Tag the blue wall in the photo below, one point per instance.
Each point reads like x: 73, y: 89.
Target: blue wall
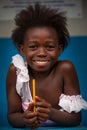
x: 76, y: 52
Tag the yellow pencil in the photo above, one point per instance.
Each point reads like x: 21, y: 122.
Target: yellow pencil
x: 34, y: 91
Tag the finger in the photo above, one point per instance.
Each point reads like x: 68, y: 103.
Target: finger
x: 28, y: 114
x: 43, y: 110
x: 31, y: 106
x: 42, y: 118
x: 44, y: 115
x: 38, y: 99
x: 43, y: 104
x: 30, y: 121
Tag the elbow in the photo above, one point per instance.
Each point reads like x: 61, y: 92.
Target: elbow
x: 72, y: 120
x: 14, y: 122
x: 10, y: 121
x: 76, y: 121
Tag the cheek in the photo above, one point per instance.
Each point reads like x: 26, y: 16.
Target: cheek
x: 29, y: 53
x: 54, y: 54
x: 28, y: 56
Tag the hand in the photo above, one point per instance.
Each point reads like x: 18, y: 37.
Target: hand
x: 30, y: 117
x: 43, y: 109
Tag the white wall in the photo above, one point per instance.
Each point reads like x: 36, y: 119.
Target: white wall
x: 77, y: 27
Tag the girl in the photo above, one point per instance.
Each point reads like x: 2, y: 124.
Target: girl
x: 41, y: 36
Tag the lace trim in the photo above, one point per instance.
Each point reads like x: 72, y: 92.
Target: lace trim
x: 72, y: 103
x: 22, y: 72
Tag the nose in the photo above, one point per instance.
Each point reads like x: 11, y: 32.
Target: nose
x: 42, y: 52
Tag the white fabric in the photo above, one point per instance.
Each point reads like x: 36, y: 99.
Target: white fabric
x: 22, y: 84
x: 67, y: 103
x: 72, y: 103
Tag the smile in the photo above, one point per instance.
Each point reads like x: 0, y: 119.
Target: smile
x: 41, y: 62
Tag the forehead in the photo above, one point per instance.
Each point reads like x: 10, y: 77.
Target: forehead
x: 41, y: 32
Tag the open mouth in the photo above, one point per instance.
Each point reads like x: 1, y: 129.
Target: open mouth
x: 41, y: 63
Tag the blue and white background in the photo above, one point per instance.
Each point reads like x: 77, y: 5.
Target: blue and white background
x: 75, y: 52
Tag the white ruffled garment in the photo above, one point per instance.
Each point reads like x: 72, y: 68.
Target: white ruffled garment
x: 74, y: 103
x: 22, y: 84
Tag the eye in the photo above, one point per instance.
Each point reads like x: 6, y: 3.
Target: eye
x: 33, y: 47
x: 50, y: 47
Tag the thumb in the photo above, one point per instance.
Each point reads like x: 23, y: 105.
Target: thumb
x: 31, y: 106
x: 39, y: 99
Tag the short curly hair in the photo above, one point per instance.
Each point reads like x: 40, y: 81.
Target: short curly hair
x: 39, y: 16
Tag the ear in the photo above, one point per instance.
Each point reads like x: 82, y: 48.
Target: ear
x: 22, y: 50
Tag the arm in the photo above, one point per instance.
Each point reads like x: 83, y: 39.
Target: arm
x: 70, y: 87
x: 45, y: 111
x: 16, y: 116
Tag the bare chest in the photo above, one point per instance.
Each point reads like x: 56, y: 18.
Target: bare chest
x: 49, y: 90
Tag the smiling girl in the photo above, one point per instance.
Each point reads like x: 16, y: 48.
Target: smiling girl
x: 41, y: 36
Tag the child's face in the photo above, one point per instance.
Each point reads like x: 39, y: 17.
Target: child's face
x: 41, y: 48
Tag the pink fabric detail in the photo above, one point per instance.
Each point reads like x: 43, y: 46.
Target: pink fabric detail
x: 25, y: 106
x: 73, y: 97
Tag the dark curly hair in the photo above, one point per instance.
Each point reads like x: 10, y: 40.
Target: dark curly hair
x: 38, y: 16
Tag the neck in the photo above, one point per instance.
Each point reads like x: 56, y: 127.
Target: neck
x: 38, y: 75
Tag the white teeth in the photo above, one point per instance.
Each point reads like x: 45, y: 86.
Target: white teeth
x: 41, y: 62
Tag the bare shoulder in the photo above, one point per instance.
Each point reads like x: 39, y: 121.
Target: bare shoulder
x: 11, y: 76
x: 65, y: 66
x: 11, y: 70
x: 69, y: 75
